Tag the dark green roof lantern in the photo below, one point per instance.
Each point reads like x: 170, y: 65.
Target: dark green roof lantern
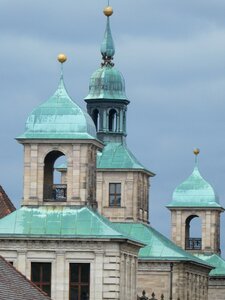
x: 107, y: 83
x: 195, y: 191
x: 59, y: 118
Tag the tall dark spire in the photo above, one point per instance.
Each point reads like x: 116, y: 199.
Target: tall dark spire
x: 107, y: 46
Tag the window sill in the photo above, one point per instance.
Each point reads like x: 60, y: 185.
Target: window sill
x: 114, y: 206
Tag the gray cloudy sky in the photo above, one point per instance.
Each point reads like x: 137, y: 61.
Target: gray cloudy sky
x: 172, y: 55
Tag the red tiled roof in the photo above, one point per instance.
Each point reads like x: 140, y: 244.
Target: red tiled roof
x: 14, y: 285
x: 6, y: 206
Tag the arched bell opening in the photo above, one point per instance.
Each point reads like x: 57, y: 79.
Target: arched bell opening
x: 55, y: 187
x: 112, y: 120
x: 193, y: 233
x: 95, y: 118
x: 124, y: 122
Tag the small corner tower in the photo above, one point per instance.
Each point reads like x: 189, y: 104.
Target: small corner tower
x: 59, y: 128
x: 196, y: 198
x: 122, y: 182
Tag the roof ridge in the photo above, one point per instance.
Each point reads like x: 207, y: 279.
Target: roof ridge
x: 117, y: 155
x: 164, y: 242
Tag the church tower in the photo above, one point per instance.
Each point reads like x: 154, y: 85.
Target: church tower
x: 59, y: 128
x: 122, y: 182
x: 195, y: 198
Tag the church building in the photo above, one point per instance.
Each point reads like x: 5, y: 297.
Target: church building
x: 83, y: 230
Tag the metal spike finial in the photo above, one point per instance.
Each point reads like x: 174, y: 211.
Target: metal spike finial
x: 153, y: 297
x: 107, y: 46
x: 143, y: 297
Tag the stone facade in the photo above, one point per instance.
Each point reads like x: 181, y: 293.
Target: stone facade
x: 189, y: 281
x: 134, y: 195
x: 81, y: 170
x: 210, y: 219
x: 217, y: 288
x: 113, y: 265
x: 153, y: 277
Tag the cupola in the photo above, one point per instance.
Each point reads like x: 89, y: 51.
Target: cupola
x: 59, y: 131
x: 107, y: 101
x: 107, y: 82
x: 59, y: 117
x: 195, y: 214
x: 195, y: 191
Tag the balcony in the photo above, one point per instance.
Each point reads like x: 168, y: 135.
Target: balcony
x: 193, y: 244
x: 56, y: 193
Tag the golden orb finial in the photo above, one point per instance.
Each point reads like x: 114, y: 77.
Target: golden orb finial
x: 196, y: 151
x: 62, y: 58
x: 108, y: 11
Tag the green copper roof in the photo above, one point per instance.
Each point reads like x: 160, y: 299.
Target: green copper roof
x: 107, y: 47
x: 158, y: 246
x: 216, y: 261
x: 107, y: 83
x: 59, y: 118
x: 118, y: 156
x: 195, y: 191
x: 58, y: 222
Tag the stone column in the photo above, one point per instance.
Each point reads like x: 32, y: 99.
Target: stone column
x: 75, y: 173
x: 97, y: 280
x: 59, y: 290
x: 21, y: 263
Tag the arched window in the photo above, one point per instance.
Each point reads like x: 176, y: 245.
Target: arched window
x: 55, y: 187
x: 193, y: 233
x: 113, y: 120
x: 95, y: 118
x: 124, y: 122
